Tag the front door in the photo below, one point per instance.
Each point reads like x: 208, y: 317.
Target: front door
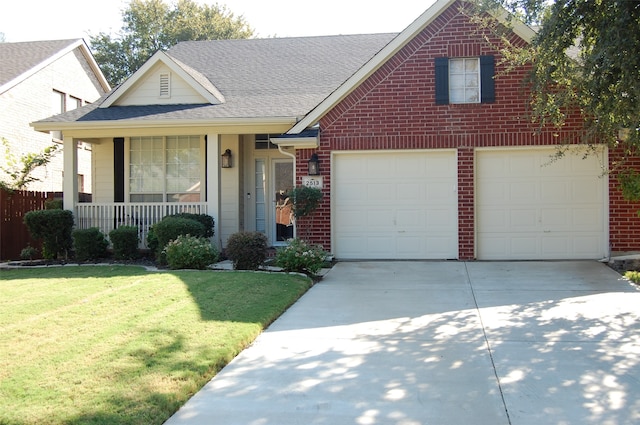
x: 282, y: 218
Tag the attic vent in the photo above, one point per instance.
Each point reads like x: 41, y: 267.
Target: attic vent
x: 165, y: 85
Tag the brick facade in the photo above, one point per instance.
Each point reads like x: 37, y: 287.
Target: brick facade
x: 395, y: 109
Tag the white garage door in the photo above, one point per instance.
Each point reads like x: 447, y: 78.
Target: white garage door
x: 395, y: 205
x: 528, y: 208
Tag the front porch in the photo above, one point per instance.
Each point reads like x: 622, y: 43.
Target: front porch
x: 143, y: 215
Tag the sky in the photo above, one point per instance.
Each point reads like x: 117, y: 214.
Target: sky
x: 31, y: 20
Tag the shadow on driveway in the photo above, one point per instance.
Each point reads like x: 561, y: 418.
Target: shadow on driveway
x: 441, y: 343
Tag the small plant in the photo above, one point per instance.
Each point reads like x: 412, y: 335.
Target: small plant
x: 28, y: 253
x: 247, y: 250
x: 89, y: 244
x: 301, y: 257
x: 54, y: 228
x: 190, y: 252
x: 124, y: 241
x: 633, y: 276
x: 19, y: 170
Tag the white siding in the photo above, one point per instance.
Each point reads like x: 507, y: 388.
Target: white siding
x: 103, y: 171
x: 147, y: 90
x: 229, y: 189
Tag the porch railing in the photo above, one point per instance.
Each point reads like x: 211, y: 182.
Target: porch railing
x: 108, y: 216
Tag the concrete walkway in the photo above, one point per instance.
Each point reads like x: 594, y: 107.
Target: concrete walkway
x: 407, y: 343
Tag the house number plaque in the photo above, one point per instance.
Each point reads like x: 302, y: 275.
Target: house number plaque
x: 312, y: 181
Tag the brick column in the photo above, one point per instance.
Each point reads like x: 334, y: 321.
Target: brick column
x: 466, y: 206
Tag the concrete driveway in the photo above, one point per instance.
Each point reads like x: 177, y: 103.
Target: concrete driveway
x: 406, y: 343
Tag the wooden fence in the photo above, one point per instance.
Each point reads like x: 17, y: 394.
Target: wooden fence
x: 14, y: 235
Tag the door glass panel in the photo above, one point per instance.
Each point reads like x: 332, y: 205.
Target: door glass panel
x: 283, y: 183
x: 260, y: 201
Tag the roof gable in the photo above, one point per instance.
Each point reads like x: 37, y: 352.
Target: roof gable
x: 415, y: 28
x: 186, y: 85
x: 24, y: 59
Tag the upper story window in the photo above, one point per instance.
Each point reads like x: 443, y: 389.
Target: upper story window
x: 74, y: 103
x: 58, y: 102
x: 465, y: 80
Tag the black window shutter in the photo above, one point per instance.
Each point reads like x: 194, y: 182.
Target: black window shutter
x: 442, y: 81
x: 118, y: 169
x: 487, y: 83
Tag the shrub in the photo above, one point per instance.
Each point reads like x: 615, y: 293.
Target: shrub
x: 205, y: 219
x: 89, y: 244
x: 28, y: 253
x: 169, y: 228
x: 247, y: 250
x: 54, y: 228
x: 190, y: 252
x: 124, y: 240
x: 301, y: 257
x: 152, y: 240
x: 633, y: 276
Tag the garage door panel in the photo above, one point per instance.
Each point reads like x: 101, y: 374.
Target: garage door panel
x: 555, y: 191
x: 523, y: 220
x: 410, y: 219
x: 380, y: 218
x: 410, y: 192
x: 351, y: 193
x: 409, y: 168
x: 440, y: 192
x: 552, y: 209
x: 586, y: 219
x: 399, y: 212
x: 380, y: 167
x: 587, y: 192
x: 555, y: 219
x: 440, y: 220
x: 522, y: 192
x: 524, y: 245
x: 522, y: 164
x: 380, y: 192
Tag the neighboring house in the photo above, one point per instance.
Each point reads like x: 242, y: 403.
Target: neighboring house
x: 38, y: 79
x: 424, y: 147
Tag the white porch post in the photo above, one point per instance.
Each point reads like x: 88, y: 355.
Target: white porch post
x: 70, y: 180
x: 213, y: 183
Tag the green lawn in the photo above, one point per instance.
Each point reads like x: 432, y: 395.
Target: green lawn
x: 120, y: 345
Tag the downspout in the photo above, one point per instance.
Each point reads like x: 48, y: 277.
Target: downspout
x: 295, y: 227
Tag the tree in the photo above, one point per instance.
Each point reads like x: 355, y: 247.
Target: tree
x: 584, y: 61
x: 152, y: 25
x: 19, y: 171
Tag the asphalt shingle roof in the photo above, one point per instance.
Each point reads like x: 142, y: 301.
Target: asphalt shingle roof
x: 274, y: 77
x: 18, y: 58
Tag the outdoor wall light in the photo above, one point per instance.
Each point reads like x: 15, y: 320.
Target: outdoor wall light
x: 314, y: 165
x: 226, y: 159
